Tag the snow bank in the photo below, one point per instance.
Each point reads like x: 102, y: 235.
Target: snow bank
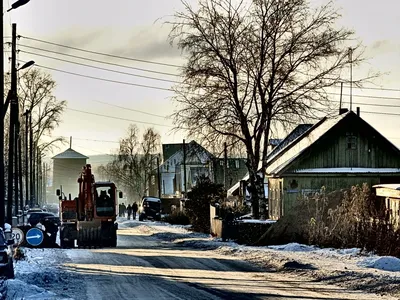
x: 17, y: 290
x: 294, y: 247
x: 257, y: 221
x: 386, y: 263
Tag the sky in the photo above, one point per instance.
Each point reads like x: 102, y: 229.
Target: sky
x: 136, y: 29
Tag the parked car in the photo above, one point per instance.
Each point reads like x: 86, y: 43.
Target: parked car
x: 150, y: 208
x: 32, y: 210
x: 38, y: 217
x: 6, y: 256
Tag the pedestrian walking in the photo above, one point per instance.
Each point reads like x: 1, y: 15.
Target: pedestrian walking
x: 129, y: 211
x: 123, y: 207
x: 134, y: 210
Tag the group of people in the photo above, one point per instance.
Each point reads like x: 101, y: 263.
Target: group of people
x: 131, y: 210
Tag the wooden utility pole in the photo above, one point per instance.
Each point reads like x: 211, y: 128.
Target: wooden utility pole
x: 158, y: 176
x: 184, y: 167
x: 26, y: 114
x: 225, y: 165
x: 31, y: 165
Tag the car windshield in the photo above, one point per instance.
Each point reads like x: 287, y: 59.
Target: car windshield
x: 105, y: 202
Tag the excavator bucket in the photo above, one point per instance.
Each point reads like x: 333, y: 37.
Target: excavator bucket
x: 89, y: 234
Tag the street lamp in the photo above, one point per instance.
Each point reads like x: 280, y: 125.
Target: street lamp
x: 18, y: 4
x: 26, y: 65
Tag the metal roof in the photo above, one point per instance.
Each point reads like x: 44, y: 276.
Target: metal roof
x: 391, y: 186
x: 70, y: 154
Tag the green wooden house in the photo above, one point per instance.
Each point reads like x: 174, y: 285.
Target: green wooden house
x: 336, y: 153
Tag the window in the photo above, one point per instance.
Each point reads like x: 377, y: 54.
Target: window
x: 237, y: 164
x: 351, y: 141
x: 153, y: 179
x: 221, y: 163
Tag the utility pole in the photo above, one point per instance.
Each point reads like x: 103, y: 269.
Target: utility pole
x: 351, y: 77
x: 21, y: 191
x: 158, y: 176
x: 2, y: 113
x: 31, y: 158
x: 184, y: 167
x: 26, y: 114
x: 37, y: 165
x: 13, y: 117
x: 225, y: 164
x: 16, y: 164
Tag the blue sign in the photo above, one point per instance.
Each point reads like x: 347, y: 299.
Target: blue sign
x: 34, y: 237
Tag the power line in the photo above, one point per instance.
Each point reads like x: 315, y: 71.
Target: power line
x: 102, y: 79
x: 139, y: 60
x: 118, y: 118
x: 131, y: 109
x: 98, y: 61
x: 100, y: 53
x: 99, y: 68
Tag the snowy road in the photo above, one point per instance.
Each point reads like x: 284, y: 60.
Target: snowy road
x: 144, y: 267
x: 158, y: 261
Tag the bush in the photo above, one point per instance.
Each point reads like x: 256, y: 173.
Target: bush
x: 198, y: 206
x: 177, y: 218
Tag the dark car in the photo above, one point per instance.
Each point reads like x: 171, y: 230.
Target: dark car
x: 6, y: 257
x: 40, y: 217
x: 150, y: 208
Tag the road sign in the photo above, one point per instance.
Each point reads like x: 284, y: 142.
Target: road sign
x: 34, y: 237
x: 18, y: 236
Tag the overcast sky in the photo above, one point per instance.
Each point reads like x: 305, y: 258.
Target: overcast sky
x: 130, y: 28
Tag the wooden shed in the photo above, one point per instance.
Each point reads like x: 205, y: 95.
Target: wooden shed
x: 336, y: 153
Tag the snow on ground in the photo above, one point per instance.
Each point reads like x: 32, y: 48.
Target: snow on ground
x: 42, y: 267
x: 346, y: 267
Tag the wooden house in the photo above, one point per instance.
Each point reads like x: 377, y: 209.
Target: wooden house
x: 336, y: 153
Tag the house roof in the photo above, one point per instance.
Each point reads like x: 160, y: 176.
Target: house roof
x: 294, y: 134
x: 70, y: 154
x: 348, y: 170
x: 170, y: 149
x: 279, y: 161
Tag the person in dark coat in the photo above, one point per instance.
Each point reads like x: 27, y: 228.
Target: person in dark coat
x: 134, y: 210
x: 123, y: 209
x: 129, y: 211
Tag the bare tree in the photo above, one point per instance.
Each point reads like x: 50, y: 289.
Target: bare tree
x: 252, y: 65
x: 35, y: 93
x: 134, y: 161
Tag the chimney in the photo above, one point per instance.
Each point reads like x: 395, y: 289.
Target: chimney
x: 358, y: 111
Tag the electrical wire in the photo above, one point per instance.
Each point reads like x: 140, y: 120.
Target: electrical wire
x: 131, y: 109
x: 146, y: 70
x: 97, y: 61
x: 99, y: 68
x: 102, y: 79
x: 100, y: 53
x: 118, y: 118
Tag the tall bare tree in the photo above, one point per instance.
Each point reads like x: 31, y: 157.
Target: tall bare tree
x: 252, y: 65
x: 134, y: 161
x: 35, y: 92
